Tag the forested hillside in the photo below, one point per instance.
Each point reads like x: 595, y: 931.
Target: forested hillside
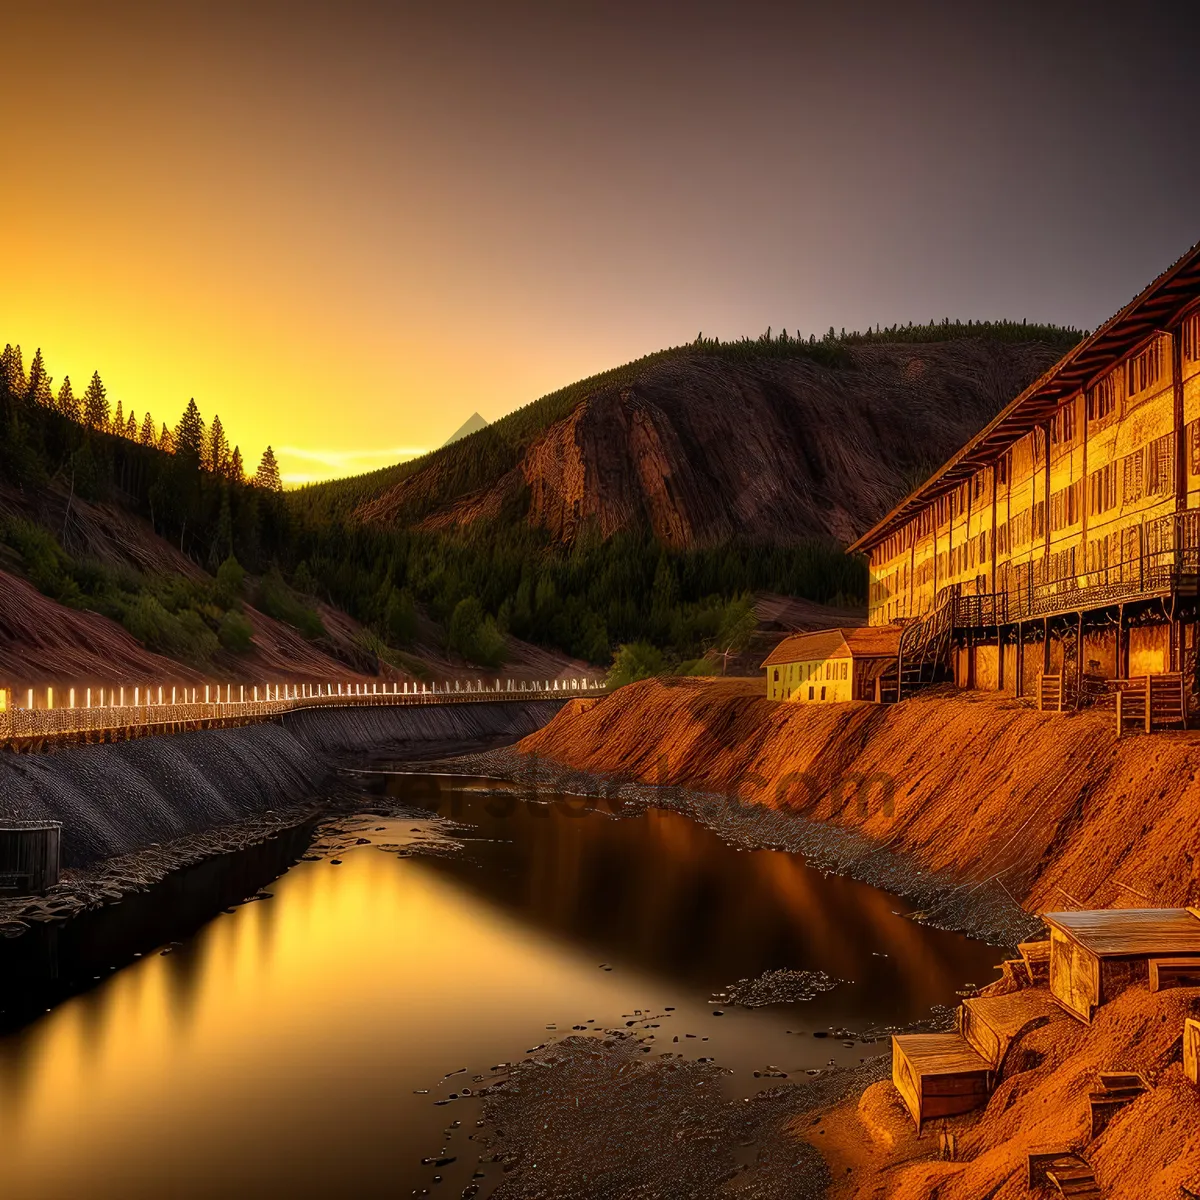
x: 645, y: 505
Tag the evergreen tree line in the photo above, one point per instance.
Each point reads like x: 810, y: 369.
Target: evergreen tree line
x: 478, y: 583
x: 482, y: 459
x: 199, y: 442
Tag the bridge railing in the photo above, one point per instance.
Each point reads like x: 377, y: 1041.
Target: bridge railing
x: 83, y: 711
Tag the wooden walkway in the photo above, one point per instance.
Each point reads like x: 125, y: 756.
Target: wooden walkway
x: 93, y: 715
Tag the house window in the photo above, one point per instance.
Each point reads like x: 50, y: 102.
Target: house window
x: 1143, y: 371
x: 810, y: 693
x: 1062, y: 430
x: 1102, y: 489
x: 1191, y: 338
x: 1102, y: 400
x: 1002, y: 467
x: 822, y: 693
x: 777, y: 673
x: 1193, y: 431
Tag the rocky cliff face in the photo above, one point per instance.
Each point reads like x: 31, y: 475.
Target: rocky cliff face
x: 701, y: 448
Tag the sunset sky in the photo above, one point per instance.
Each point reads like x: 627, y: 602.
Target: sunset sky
x: 345, y: 227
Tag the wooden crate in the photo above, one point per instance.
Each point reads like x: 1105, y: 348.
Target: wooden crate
x: 991, y: 1024
x: 1182, y: 971
x: 1096, y: 954
x: 939, y: 1075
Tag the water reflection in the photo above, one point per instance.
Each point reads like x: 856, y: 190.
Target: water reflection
x: 277, y: 1052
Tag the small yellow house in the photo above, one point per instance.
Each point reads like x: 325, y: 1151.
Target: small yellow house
x: 831, y: 665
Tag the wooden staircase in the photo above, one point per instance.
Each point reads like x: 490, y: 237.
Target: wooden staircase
x: 1066, y: 1172
x: 925, y: 646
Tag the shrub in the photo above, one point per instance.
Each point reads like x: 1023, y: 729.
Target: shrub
x: 634, y: 661
x: 236, y: 633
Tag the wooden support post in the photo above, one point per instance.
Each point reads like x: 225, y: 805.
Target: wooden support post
x: 1121, y: 672
x: 1148, y: 689
x: 1078, y: 659
x: 1120, y: 712
x: 1046, y: 646
x: 1020, y: 657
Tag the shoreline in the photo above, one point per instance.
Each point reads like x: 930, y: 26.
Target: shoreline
x: 958, y: 905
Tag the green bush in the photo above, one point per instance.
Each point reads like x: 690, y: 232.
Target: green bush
x: 230, y: 580
x: 474, y: 635
x: 236, y: 634
x: 277, y: 600
x: 634, y: 661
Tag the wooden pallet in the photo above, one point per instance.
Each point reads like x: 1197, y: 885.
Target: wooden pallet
x: 1068, y: 1173
x: 1037, y: 960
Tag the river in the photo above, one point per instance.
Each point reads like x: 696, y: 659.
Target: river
x: 296, y: 1046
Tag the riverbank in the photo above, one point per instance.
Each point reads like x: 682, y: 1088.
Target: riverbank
x: 135, y: 812
x: 1051, y: 808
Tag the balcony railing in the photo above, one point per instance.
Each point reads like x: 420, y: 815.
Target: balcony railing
x: 1164, y: 557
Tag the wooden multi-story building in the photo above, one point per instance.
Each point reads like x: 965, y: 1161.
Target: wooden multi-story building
x: 1065, y: 536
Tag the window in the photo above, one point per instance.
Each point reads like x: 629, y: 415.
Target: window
x: 777, y: 669
x: 1191, y: 338
x: 810, y: 692
x: 1102, y: 400
x: 1062, y: 429
x: 1002, y: 466
x: 1102, y: 489
x: 1039, y: 519
x: 1143, y: 371
x: 822, y: 693
x: 1193, y: 436
x: 1131, y: 476
x: 1160, y: 466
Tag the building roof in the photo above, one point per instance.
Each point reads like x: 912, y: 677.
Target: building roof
x: 867, y: 641
x: 1121, y: 932
x: 1080, y: 367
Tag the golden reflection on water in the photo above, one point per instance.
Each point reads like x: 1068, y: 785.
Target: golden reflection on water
x: 277, y: 1052
x: 352, y: 975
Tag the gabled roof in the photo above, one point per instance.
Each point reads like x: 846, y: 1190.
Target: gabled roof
x: 1151, y: 310
x: 866, y: 641
x: 1115, y: 932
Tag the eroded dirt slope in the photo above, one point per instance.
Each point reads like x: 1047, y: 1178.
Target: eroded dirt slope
x: 700, y: 449
x: 1054, y: 807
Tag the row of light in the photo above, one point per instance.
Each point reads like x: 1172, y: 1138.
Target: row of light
x: 115, y: 697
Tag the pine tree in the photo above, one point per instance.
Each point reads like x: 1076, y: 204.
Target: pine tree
x: 118, y: 421
x: 189, y: 434
x: 38, y: 389
x: 12, y: 373
x: 147, y: 436
x: 95, y: 404
x: 166, y: 443
x: 218, y: 449
x: 267, y: 475
x: 237, y: 470
x: 68, y: 402
x: 131, y: 427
